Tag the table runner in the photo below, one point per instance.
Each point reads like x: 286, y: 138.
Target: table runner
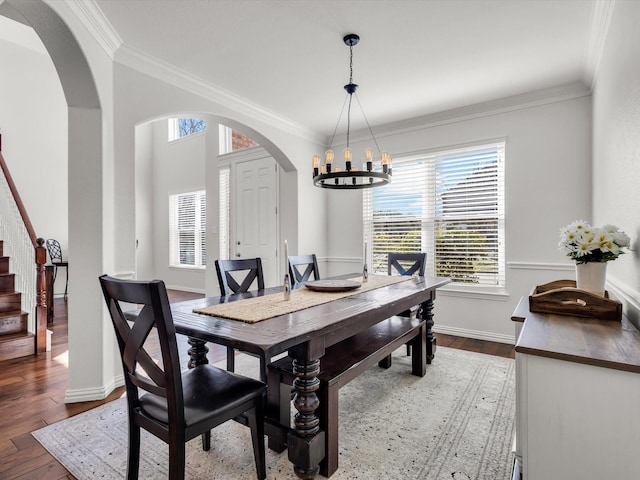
x: 255, y: 309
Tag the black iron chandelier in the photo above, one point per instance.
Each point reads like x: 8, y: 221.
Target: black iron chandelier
x: 328, y: 175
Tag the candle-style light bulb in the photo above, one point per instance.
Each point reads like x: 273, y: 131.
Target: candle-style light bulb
x: 323, y: 169
x: 316, y: 165
x: 347, y: 159
x: 328, y: 158
x: 347, y: 153
x: 385, y: 161
x: 368, y: 155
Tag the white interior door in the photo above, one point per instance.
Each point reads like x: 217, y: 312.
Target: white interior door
x: 256, y: 219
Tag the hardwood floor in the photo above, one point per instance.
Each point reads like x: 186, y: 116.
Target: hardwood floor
x: 32, y: 391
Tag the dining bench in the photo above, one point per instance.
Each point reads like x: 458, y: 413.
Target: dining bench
x: 341, y: 363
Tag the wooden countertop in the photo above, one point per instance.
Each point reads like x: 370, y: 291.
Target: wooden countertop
x: 603, y: 343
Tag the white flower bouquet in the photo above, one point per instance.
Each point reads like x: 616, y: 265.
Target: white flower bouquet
x: 584, y: 243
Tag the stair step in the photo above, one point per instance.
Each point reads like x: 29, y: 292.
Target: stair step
x: 10, y: 302
x: 13, y: 323
x: 4, y: 264
x: 16, y: 345
x: 7, y: 282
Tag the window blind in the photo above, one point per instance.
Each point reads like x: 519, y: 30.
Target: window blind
x: 449, y: 204
x: 225, y: 211
x: 187, y: 229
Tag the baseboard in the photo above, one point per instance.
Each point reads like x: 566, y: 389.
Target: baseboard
x: 92, y: 394
x: 480, y: 335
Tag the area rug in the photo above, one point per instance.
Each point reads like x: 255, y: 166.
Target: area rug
x: 456, y: 422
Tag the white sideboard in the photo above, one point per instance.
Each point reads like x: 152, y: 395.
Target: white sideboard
x: 578, y: 397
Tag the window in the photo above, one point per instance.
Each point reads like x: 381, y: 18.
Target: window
x: 225, y: 211
x: 233, y: 141
x: 183, y: 127
x: 449, y: 204
x: 187, y: 229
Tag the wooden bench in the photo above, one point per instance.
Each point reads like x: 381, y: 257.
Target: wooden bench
x: 341, y: 363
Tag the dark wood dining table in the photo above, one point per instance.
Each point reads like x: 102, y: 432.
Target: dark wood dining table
x: 305, y: 334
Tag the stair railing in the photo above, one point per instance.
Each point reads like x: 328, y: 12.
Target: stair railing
x: 26, y: 251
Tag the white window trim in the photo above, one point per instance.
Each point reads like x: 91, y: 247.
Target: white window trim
x: 174, y: 252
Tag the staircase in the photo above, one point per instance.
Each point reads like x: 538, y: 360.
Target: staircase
x: 15, y: 340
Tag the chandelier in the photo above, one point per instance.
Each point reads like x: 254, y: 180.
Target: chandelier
x: 350, y: 177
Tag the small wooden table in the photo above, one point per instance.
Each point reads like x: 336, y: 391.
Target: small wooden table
x: 305, y: 335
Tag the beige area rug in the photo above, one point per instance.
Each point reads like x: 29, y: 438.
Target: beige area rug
x: 457, y: 423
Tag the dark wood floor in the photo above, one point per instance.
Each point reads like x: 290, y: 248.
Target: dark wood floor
x: 32, y: 393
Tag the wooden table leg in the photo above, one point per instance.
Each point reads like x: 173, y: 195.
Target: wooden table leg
x: 197, y: 352
x: 425, y: 312
x: 306, y: 441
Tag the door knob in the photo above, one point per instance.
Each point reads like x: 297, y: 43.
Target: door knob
x: 238, y: 255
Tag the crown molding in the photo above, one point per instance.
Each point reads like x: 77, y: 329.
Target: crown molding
x: 161, y: 70
x: 485, y: 109
x: 599, y: 23
x: 97, y: 24
x: 101, y: 30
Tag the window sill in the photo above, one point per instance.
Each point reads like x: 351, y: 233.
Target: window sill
x: 187, y: 267
x: 483, y: 293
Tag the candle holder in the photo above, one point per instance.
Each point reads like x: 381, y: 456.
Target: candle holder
x: 365, y: 273
x: 287, y: 287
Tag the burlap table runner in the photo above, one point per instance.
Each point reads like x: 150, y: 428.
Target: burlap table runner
x: 252, y: 310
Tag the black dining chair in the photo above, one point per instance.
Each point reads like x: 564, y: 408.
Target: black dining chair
x: 55, y: 255
x: 302, y: 267
x: 250, y: 269
x: 406, y: 264
x: 174, y: 406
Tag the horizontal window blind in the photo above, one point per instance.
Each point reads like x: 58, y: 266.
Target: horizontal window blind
x: 187, y: 229
x: 449, y: 204
x: 225, y: 211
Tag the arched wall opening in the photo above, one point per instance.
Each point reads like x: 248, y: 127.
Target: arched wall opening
x: 85, y: 212
x: 190, y: 164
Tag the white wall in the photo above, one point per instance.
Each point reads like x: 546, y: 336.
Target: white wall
x: 33, y: 124
x: 616, y: 147
x: 547, y: 185
x: 178, y: 167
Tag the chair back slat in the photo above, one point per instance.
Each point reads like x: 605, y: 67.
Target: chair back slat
x: 132, y: 333
x: 301, y: 267
x: 228, y: 284
x: 407, y: 263
x: 54, y: 249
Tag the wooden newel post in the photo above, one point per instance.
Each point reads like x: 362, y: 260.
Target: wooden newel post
x: 41, y: 297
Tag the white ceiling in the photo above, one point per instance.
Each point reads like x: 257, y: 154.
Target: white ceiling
x: 415, y: 57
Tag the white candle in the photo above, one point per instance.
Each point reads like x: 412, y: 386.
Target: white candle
x: 365, y: 252
x: 286, y: 253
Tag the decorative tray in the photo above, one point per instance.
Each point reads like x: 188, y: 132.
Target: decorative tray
x: 332, y: 285
x: 563, y: 298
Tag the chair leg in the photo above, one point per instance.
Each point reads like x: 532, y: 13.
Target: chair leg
x: 206, y: 441
x: 133, y: 462
x: 231, y: 360
x: 66, y: 283
x: 176, y: 459
x: 256, y: 423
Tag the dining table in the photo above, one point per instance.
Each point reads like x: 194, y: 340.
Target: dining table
x: 305, y: 334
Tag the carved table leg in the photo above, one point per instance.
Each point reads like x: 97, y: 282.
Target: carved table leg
x: 197, y: 352
x: 306, y: 441
x: 426, y: 314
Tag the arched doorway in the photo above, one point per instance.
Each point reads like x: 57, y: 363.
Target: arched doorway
x: 85, y: 199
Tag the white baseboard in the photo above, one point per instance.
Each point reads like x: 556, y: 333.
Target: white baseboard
x: 480, y: 335
x: 91, y: 394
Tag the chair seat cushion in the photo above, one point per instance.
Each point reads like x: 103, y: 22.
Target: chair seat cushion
x: 208, y: 391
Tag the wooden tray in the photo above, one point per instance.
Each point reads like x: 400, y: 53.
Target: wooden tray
x: 563, y: 298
